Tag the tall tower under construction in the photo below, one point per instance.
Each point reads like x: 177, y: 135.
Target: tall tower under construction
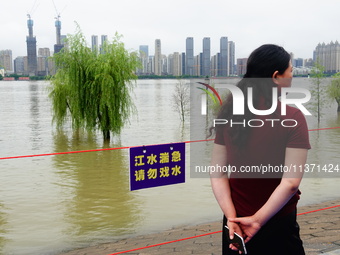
x: 31, y: 49
x: 59, y: 45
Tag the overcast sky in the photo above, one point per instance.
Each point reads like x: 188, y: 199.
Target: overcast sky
x: 297, y: 25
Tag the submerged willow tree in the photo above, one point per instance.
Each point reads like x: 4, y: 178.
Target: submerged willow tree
x: 181, y: 99
x: 318, y: 90
x: 333, y: 89
x: 91, y: 89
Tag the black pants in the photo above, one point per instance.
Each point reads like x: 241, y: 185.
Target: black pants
x: 279, y: 236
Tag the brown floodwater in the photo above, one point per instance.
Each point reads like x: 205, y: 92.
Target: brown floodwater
x: 51, y: 204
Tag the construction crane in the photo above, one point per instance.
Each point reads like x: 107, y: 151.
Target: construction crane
x: 57, y: 25
x: 30, y: 21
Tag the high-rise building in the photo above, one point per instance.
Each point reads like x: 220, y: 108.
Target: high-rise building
x: 170, y: 70
x: 241, y: 66
x: 144, y: 49
x: 198, y: 65
x: 189, y: 56
x: 19, y: 65
x: 151, y: 68
x: 183, y: 63
x: 297, y: 62
x: 6, y: 60
x: 31, y: 49
x: 308, y: 62
x: 206, y: 57
x: 215, y: 64
x: 94, y: 43
x: 177, y: 64
x: 144, y: 57
x: 164, y: 64
x: 42, y: 61
x: 223, y: 69
x: 103, y: 40
x: 231, y: 58
x: 328, y: 55
x: 158, y: 57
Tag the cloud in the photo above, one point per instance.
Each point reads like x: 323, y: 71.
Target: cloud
x: 297, y: 25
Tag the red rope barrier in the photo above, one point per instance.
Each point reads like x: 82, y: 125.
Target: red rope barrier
x: 322, y: 128
x: 211, y: 233
x: 68, y: 152
x: 83, y: 151
x: 118, y: 148
x: 159, y: 244
x: 326, y: 208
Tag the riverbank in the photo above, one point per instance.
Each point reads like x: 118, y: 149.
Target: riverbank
x: 320, y: 232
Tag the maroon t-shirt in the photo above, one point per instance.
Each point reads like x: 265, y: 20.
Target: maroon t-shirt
x: 265, y: 147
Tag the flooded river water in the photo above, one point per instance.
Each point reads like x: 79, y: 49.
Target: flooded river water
x: 51, y: 204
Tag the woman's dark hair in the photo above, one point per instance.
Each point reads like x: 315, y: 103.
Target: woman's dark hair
x: 262, y: 63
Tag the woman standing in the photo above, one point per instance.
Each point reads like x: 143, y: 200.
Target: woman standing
x: 261, y: 206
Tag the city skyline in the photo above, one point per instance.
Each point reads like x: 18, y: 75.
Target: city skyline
x: 248, y: 23
x: 221, y: 64
x: 203, y: 64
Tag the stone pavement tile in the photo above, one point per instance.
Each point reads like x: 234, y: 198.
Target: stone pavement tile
x: 320, y: 232
x: 195, y: 248
x: 321, y: 219
x: 158, y: 251
x: 205, y: 240
x: 314, y: 228
x: 183, y: 248
x: 335, y: 225
x: 316, y: 249
x: 329, y: 233
x: 311, y: 251
x: 306, y: 238
x: 333, y: 252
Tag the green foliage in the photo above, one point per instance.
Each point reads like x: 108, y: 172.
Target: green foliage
x: 1, y: 78
x: 38, y: 78
x: 333, y: 89
x: 93, y: 89
x: 16, y: 76
x: 318, y: 90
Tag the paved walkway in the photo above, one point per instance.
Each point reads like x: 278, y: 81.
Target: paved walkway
x: 320, y: 232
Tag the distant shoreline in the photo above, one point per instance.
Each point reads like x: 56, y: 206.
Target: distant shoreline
x: 141, y: 77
